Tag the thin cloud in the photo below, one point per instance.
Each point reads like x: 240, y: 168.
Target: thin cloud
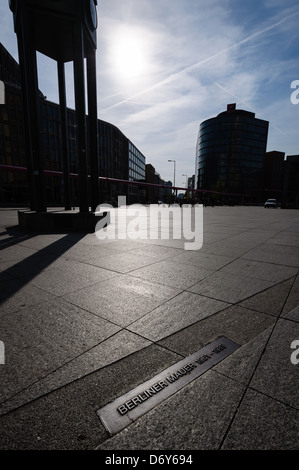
x: 192, y: 67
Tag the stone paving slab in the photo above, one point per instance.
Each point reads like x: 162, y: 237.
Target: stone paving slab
x: 41, y: 338
x: 253, y: 428
x: 257, y: 270
x: 228, y: 247
x: 230, y: 287
x: 15, y: 296
x: 292, y: 300
x: 273, y: 300
x: 173, y: 274
x: 293, y: 315
x: 122, y: 300
x: 202, y: 410
x: 242, y: 365
x: 276, y: 362
x: 202, y: 260
x: 125, y: 262
x: 84, y: 321
x: 110, y: 350
x: 276, y: 254
x: 176, y: 314
x: 66, y: 418
x: 70, y: 277
x: 236, y: 323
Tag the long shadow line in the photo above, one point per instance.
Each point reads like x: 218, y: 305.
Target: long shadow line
x: 18, y: 275
x: 15, y: 236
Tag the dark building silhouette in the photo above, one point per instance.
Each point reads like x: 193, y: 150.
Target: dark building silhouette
x: 118, y: 157
x: 13, y: 186
x: 191, y: 182
x: 155, y: 192
x: 230, y: 153
x: 65, y: 32
x: 274, y: 167
x: 290, y: 198
x: 9, y: 68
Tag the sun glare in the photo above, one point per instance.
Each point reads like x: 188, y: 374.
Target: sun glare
x: 129, y: 56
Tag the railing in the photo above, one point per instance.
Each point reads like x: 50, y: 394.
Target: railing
x: 117, y: 180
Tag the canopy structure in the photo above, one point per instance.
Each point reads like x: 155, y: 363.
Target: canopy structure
x: 65, y: 31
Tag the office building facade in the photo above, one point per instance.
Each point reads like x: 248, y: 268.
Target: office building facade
x: 274, y: 168
x: 230, y: 153
x: 290, y: 195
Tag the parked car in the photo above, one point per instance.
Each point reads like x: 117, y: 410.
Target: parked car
x: 271, y: 203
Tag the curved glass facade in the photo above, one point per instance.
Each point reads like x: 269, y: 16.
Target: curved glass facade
x: 230, y: 152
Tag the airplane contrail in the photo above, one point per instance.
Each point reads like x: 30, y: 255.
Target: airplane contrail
x: 246, y: 104
x: 239, y: 100
x: 189, y: 68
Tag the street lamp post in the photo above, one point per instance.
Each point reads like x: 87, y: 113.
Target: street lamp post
x: 174, y: 161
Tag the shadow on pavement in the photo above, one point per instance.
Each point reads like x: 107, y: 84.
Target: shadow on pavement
x: 25, y: 270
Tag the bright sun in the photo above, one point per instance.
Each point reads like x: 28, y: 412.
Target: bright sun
x: 129, y: 56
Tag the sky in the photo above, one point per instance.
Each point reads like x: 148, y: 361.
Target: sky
x: 165, y: 66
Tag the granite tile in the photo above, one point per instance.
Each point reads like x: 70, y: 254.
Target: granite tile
x: 16, y: 295
x: 285, y: 238
x: 43, y: 337
x: 177, y: 313
x: 238, y: 324
x: 86, y: 253
x: 231, y: 248
x: 203, y: 260
x: 241, y: 365
x: 110, y: 350
x: 269, y: 301
x: 45, y: 241
x: 213, y: 237
x: 123, y: 299
x: 66, y: 276
x: 292, y: 301
x: 172, y: 274
x: 296, y: 283
x: 293, y: 315
x: 16, y: 252
x: 255, y: 429
x: 157, y: 252
x: 257, y: 270
x: 277, y: 254
x: 65, y: 419
x: 124, y: 262
x: 178, y: 424
x: 276, y: 375
x: 229, y: 287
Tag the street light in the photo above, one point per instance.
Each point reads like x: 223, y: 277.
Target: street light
x: 174, y: 161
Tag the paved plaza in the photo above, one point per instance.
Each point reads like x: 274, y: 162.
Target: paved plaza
x: 84, y: 321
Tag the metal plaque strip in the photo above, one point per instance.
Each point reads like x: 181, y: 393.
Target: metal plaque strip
x: 118, y: 414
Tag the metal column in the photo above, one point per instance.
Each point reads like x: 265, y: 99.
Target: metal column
x: 93, y: 125
x: 64, y: 134
x: 80, y: 115
x: 32, y: 114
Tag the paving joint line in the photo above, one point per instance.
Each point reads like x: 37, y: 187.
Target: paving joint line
x: 254, y: 371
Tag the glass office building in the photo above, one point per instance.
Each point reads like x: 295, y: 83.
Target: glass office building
x: 230, y: 153
x: 136, y: 173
